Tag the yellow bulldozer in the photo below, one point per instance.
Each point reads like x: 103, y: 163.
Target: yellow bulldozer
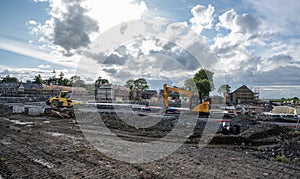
x: 64, y: 99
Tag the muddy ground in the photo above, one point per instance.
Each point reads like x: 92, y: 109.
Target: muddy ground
x: 52, y: 147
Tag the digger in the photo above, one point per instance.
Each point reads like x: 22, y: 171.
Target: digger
x: 202, y: 108
x: 196, y: 104
x: 64, y: 99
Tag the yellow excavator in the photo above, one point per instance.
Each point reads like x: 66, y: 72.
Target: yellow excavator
x: 64, y: 99
x: 196, y: 103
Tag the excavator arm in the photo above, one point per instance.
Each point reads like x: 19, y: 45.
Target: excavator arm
x: 202, y: 107
x: 174, y: 89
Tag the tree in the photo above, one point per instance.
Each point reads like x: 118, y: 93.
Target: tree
x: 204, y: 74
x: 224, y: 88
x: 38, y: 79
x: 129, y: 83
x: 66, y: 82
x: 76, y: 81
x: 204, y: 81
x: 100, y: 81
x: 134, y: 85
x: 54, y: 73
x: 190, y: 85
x: 203, y: 86
x: 9, y: 79
x: 51, y: 81
x: 61, y: 78
x: 141, y: 83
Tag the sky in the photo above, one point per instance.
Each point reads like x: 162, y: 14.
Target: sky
x: 244, y: 42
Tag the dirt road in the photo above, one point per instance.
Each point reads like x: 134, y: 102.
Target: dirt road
x: 47, y: 147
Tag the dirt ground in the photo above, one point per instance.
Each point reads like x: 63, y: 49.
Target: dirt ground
x: 50, y: 147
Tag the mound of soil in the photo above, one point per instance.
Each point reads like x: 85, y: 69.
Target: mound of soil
x: 266, y: 131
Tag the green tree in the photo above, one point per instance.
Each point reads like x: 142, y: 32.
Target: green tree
x: 203, y: 86
x: 129, y: 83
x: 38, y: 79
x: 100, y: 81
x: 76, y: 81
x: 60, y: 79
x: 224, y: 88
x: 9, y: 79
x: 204, y: 74
x: 141, y: 83
x: 51, y: 81
x: 204, y: 81
x: 66, y: 82
x: 190, y: 85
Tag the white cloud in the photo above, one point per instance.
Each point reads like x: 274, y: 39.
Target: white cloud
x: 68, y: 27
x: 202, y: 17
x: 232, y: 48
x: 24, y: 74
x: 226, y: 19
x: 244, y: 23
x: 36, y: 52
x: 174, y: 30
x: 31, y: 22
x: 246, y: 44
x: 73, y: 24
x: 43, y: 66
x: 243, y: 65
x: 36, y: 1
x: 115, y: 12
x: 280, y: 16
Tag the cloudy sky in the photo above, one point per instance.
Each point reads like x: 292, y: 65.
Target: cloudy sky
x: 250, y: 42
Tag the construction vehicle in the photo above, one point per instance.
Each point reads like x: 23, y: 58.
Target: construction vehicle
x: 196, y: 103
x: 64, y: 99
x: 201, y: 107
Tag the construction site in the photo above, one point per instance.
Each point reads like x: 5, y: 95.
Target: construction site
x: 50, y: 141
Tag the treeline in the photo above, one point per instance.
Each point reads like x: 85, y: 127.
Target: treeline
x: 283, y: 100
x: 59, y: 80
x: 202, y: 82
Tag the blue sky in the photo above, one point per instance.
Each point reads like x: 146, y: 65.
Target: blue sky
x: 253, y: 42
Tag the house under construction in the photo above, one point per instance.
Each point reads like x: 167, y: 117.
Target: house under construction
x: 243, y: 95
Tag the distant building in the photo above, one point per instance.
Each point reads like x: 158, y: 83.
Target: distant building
x: 36, y: 90
x: 55, y: 89
x: 147, y: 94
x: 8, y: 89
x: 112, y: 93
x: 20, y: 89
x: 243, y: 95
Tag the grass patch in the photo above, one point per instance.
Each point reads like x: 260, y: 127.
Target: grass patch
x: 281, y: 158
